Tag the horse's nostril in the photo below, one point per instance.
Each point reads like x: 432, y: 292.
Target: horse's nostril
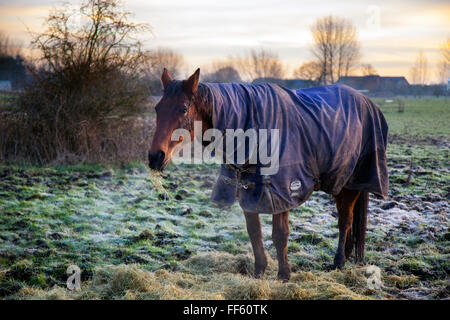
x: 156, y: 160
x: 161, y: 155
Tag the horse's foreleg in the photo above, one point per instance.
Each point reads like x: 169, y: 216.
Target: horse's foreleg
x: 280, y: 235
x: 255, y: 234
x: 345, y: 202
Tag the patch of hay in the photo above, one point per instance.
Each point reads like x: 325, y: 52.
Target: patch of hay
x: 55, y: 293
x: 212, y: 275
x: 352, y: 278
x: 237, y: 287
x: 300, y: 287
x: 226, y: 276
x: 131, y: 282
x: 156, y: 180
x: 400, y: 282
x: 116, y: 281
x: 222, y: 262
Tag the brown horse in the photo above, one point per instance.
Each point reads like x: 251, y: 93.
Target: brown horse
x: 184, y: 102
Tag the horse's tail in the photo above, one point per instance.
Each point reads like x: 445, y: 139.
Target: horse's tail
x: 360, y: 224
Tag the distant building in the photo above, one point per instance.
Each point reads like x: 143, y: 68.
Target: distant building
x: 5, y: 85
x: 372, y: 84
x: 12, y: 72
x: 223, y: 75
x: 376, y: 83
x: 288, y: 83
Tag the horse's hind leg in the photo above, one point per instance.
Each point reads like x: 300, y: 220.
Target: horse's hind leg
x: 345, y: 202
x: 280, y: 235
x: 255, y: 234
x: 349, y: 243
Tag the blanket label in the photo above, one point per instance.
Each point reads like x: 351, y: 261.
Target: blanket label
x: 295, y: 185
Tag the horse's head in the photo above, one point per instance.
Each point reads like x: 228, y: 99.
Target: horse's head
x: 175, y: 110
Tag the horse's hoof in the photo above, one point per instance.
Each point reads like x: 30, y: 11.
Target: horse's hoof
x: 338, y: 266
x: 339, y: 262
x: 284, y: 277
x: 284, y: 274
x: 259, y: 271
x: 348, y: 256
x: 328, y: 266
x: 359, y: 262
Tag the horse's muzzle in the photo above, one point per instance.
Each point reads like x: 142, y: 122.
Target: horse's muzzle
x: 156, y: 160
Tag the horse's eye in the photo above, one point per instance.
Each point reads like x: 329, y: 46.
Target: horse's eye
x: 185, y: 110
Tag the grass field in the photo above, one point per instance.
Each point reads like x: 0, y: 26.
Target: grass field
x: 423, y: 118
x: 133, y: 240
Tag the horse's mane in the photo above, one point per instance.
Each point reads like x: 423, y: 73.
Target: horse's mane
x: 203, y: 98
x: 204, y: 95
x: 204, y: 101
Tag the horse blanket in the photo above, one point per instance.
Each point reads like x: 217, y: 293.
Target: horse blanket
x: 330, y: 137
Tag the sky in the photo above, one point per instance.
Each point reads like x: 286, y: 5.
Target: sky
x: 391, y: 32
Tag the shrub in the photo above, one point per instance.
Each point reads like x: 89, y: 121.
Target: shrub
x: 87, y: 97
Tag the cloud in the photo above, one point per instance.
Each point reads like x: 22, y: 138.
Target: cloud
x: 205, y: 30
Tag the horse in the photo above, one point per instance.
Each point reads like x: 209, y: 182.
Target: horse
x: 354, y: 172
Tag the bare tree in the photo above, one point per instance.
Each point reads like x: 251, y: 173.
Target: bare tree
x: 445, y: 51
x: 368, y: 70
x: 103, y: 38
x: 164, y: 58
x: 8, y: 48
x: 336, y: 47
x: 444, y: 63
x: 419, y: 71
x: 310, y: 70
x: 260, y: 63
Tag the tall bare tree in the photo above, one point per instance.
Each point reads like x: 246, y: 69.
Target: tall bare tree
x: 444, y: 63
x: 310, y: 70
x: 419, y: 71
x: 162, y: 58
x: 260, y: 63
x: 8, y: 47
x: 368, y: 70
x: 445, y: 51
x: 336, y: 47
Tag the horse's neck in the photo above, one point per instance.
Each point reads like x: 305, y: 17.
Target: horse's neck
x: 204, y: 104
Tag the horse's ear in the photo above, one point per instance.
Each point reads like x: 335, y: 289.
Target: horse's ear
x: 190, y: 85
x: 166, y: 78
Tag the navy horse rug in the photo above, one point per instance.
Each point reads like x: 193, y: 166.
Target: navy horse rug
x: 330, y: 137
